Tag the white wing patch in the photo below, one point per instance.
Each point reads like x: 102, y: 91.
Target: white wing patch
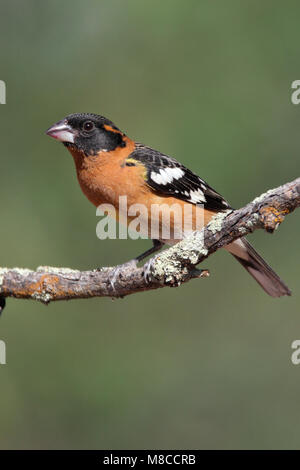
x: 197, y: 196
x: 166, y: 175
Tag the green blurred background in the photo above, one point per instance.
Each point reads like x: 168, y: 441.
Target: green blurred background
x: 207, y: 365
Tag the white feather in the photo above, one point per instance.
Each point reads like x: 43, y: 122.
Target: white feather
x: 166, y: 175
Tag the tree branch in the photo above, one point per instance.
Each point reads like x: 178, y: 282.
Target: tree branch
x: 170, y: 268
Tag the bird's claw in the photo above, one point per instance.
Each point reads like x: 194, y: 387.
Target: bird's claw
x: 148, y: 270
x: 116, y: 273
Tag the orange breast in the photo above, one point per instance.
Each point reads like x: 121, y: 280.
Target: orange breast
x: 103, y: 178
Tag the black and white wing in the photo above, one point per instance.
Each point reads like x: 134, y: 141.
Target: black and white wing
x: 167, y: 176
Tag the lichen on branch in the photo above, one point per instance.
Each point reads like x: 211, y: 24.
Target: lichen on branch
x: 172, y: 267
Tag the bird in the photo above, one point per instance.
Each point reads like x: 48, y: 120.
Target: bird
x: 109, y: 164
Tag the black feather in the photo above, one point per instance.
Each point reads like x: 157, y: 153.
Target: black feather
x: 181, y: 187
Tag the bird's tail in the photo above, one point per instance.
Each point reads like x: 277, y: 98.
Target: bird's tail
x: 258, y: 268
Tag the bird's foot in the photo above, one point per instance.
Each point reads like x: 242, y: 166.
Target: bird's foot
x: 148, y: 270
x: 115, y: 273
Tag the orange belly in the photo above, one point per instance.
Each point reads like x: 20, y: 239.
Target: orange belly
x: 157, y: 217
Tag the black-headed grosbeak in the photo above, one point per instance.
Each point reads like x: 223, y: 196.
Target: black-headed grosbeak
x: 109, y: 165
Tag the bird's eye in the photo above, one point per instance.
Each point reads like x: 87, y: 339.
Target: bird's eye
x: 88, y: 126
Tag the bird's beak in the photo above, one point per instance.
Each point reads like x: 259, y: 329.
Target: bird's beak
x: 62, y: 131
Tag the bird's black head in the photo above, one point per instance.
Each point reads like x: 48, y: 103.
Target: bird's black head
x: 88, y: 133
